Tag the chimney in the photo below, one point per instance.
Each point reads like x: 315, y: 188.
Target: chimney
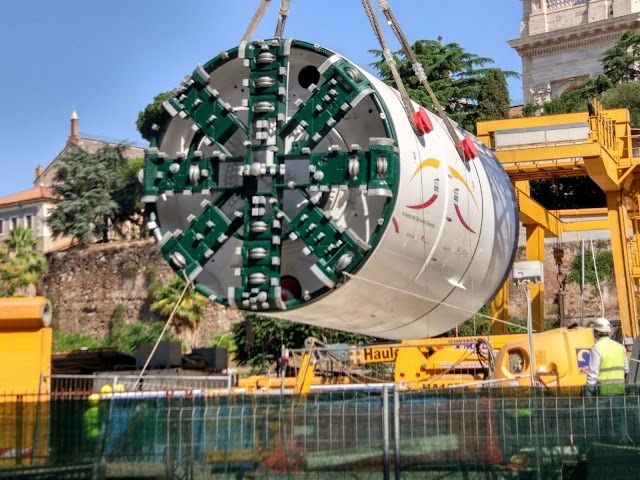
x: 39, y: 172
x: 74, y: 136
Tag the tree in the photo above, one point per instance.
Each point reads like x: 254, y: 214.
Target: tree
x: 258, y: 340
x: 164, y: 297
x: 493, y: 98
x: 86, y: 183
x: 571, y: 101
x: 625, y: 95
x: 604, y: 265
x: 620, y: 61
x: 129, y: 196
x: 454, y: 74
x: 152, y: 114
x: 577, y: 192
x: 126, y: 336
x: 21, y: 264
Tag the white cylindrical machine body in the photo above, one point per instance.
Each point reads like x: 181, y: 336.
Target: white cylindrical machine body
x: 437, y: 243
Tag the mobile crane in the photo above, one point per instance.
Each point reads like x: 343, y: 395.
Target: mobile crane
x: 560, y: 360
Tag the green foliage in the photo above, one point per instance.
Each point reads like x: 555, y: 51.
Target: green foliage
x: 571, y: 101
x: 151, y: 114
x: 224, y: 340
x: 259, y: 339
x: 520, y: 324
x: 455, y: 75
x: 493, y: 98
x: 125, y: 337
x: 73, y: 341
x: 478, y: 324
x: 87, y: 182
x: 626, y: 95
x: 604, y: 263
x: 128, y: 195
x: 620, y: 61
x: 21, y: 264
x: 578, y: 192
x: 164, y: 297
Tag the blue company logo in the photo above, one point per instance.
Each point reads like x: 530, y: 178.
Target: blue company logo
x: 583, y: 355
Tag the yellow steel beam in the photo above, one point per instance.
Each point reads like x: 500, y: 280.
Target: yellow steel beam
x: 621, y: 264
x: 499, y: 308
x: 606, y: 157
x: 585, y: 225
x: 532, y: 213
x: 535, y: 251
x: 538, y: 154
x: 581, y: 212
x: 603, y: 170
x: 486, y: 128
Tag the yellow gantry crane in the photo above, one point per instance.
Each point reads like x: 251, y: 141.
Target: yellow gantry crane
x: 599, y: 144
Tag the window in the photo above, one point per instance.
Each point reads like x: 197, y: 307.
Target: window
x: 28, y: 221
x: 1, y: 227
x: 14, y: 222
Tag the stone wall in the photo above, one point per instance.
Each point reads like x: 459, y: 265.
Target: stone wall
x: 591, y: 308
x: 86, y: 284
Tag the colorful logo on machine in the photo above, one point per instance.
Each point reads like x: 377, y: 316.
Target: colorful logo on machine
x: 583, y: 355
x: 435, y: 163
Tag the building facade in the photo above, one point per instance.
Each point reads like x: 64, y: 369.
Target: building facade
x: 562, y: 41
x: 30, y: 208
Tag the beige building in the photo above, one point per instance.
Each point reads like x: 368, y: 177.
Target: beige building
x: 30, y: 208
x: 562, y: 41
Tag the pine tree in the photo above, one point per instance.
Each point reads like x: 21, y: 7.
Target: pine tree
x: 621, y: 61
x: 454, y: 74
x: 86, y: 183
x: 493, y: 98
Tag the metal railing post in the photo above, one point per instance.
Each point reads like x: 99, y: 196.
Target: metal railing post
x: 385, y: 432
x: 396, y: 431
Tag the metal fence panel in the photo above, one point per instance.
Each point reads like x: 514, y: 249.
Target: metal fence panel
x: 430, y: 434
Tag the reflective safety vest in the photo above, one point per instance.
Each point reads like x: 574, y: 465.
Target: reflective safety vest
x: 611, y: 366
x: 91, y: 420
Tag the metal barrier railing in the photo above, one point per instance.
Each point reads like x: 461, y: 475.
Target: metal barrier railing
x: 84, y: 384
x: 368, y: 430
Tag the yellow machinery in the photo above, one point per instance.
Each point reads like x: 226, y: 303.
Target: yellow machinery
x: 25, y: 345
x: 25, y: 360
x: 560, y: 360
x: 598, y: 144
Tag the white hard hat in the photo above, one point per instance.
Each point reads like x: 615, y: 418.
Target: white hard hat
x: 602, y: 325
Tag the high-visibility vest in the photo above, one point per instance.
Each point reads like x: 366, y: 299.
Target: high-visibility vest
x: 611, y: 365
x: 91, y: 420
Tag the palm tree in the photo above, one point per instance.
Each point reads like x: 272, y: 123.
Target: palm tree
x: 456, y: 77
x: 21, y: 264
x: 165, y: 296
x: 21, y: 240
x: 621, y: 61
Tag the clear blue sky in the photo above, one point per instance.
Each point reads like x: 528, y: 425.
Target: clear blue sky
x: 107, y: 59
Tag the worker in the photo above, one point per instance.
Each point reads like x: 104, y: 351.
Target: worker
x: 608, y: 362
x: 92, y: 426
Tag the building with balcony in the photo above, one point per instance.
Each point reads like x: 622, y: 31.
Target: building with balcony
x: 562, y: 41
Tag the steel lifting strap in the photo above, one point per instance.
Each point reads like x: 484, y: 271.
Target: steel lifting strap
x: 257, y: 18
x: 419, y: 71
x: 391, y: 62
